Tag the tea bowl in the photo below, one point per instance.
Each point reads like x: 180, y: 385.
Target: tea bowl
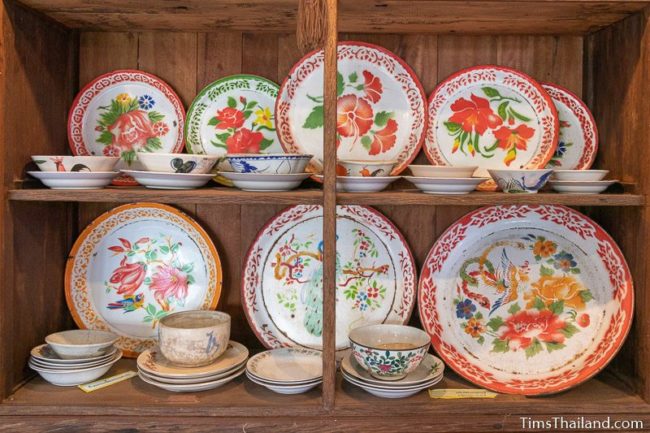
x: 389, y: 352
x: 364, y: 168
x: 75, y: 163
x: 443, y: 171
x: 177, y: 162
x: 521, y: 181
x: 80, y: 343
x: 194, y: 338
x: 272, y: 163
x: 579, y: 175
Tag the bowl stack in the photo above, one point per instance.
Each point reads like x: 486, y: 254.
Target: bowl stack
x: 74, y: 172
x: 364, y: 176
x: 268, y: 172
x: 75, y: 357
x: 444, y: 179
x: 580, y: 181
x: 287, y: 370
x: 173, y: 170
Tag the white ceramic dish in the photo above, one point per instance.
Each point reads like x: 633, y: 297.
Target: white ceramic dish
x: 391, y: 393
x: 74, y: 180
x: 287, y: 365
x: 521, y: 181
x: 67, y: 163
x: 192, y: 387
x: 68, y: 367
x: 445, y: 185
x: 579, y: 175
x: 45, y: 354
x: 265, y: 182
x: 75, y: 377
x: 81, y: 343
x: 191, y: 380
x: 365, y: 168
x: 362, y: 184
x: 177, y: 162
x: 285, y: 389
x: 594, y: 187
x: 442, y: 171
x: 155, y: 180
x: 275, y: 163
x: 389, y: 386
x: 429, y: 369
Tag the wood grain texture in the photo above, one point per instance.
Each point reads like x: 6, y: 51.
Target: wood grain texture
x: 219, y: 55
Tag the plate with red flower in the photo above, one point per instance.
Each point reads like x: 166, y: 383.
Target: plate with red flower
x: 136, y: 264
x: 282, y: 280
x: 124, y: 112
x: 235, y: 114
x: 492, y: 117
x: 381, y: 107
x: 578, y: 141
x: 526, y: 299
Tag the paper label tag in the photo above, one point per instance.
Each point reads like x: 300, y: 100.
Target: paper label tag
x: 449, y: 394
x: 103, y: 383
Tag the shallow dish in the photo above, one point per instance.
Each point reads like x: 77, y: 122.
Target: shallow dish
x: 361, y: 184
x: 45, y: 354
x: 521, y: 181
x: 155, y: 180
x: 192, y: 387
x: 81, y: 343
x: 190, y: 380
x: 176, y: 162
x: 445, y: 185
x: 442, y: 171
x: 69, y: 367
x: 278, y: 163
x: 594, y: 187
x: 67, y: 163
x: 74, y: 180
x: 75, y: 377
x: 579, y: 175
x: 287, y: 365
x: 429, y: 369
x: 364, y: 168
x: 390, y: 393
x: 285, y: 389
x: 265, y: 182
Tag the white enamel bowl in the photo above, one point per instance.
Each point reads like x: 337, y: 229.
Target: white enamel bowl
x: 285, y: 389
x: 74, y: 180
x: 366, y: 168
x: 594, y: 187
x: 80, y: 343
x: 521, y: 181
x: 446, y: 185
x: 385, y: 392
x: 276, y: 163
x: 177, y: 162
x: 67, y: 163
x: 579, y: 175
x: 44, y: 354
x: 77, y: 376
x: 265, y: 182
x: 362, y: 184
x: 155, y: 180
x: 441, y: 171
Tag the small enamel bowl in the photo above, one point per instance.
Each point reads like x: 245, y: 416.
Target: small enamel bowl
x: 273, y: 163
x: 80, y: 343
x: 177, y: 162
x: 194, y: 338
x: 364, y: 168
x: 442, y: 171
x: 75, y: 163
x: 389, y: 352
x: 520, y: 181
x: 579, y: 175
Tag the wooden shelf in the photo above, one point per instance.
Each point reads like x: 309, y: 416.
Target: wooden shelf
x: 370, y: 16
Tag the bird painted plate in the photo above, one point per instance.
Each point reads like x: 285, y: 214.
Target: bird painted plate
x: 134, y: 265
x: 124, y: 112
x: 491, y: 117
x: 526, y: 299
x: 578, y: 141
x: 381, y: 107
x: 235, y: 114
x: 282, y: 287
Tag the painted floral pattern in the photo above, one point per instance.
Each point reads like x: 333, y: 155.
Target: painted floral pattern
x: 562, y: 147
x: 387, y: 363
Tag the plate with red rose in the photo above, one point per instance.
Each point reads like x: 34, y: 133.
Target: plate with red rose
x: 381, y: 107
x: 235, y: 114
x: 526, y: 299
x: 124, y: 112
x: 492, y: 117
x: 136, y: 264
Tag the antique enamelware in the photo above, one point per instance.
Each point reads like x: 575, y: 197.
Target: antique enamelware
x: 520, y: 181
x: 283, y: 276
x: 134, y: 265
x: 581, y: 187
x: 430, y: 369
x: 265, y: 182
x: 579, y: 175
x: 75, y: 376
x: 268, y: 163
x: 381, y: 107
x: 198, y: 386
x: 75, y: 163
x: 526, y: 299
x: 75, y: 179
x: 578, y: 140
x: 492, y: 117
x: 285, y: 389
x: 364, y: 168
x: 361, y: 184
x: 446, y: 186
x: 442, y: 171
x: 157, y: 180
x: 176, y: 162
x: 287, y: 365
x: 44, y: 354
x: 81, y: 343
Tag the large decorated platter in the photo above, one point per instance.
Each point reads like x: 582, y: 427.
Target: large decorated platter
x: 134, y: 265
x: 124, y: 112
x: 526, y: 299
x: 381, y: 107
x: 282, y: 288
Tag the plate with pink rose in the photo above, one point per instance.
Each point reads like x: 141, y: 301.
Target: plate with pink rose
x: 235, y: 114
x: 124, y: 112
x: 134, y: 265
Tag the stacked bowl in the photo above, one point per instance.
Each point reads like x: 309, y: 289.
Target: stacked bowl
x: 364, y: 176
x: 75, y: 357
x: 268, y: 172
x: 290, y: 370
x: 445, y: 180
x: 173, y: 170
x: 74, y: 172
x: 194, y: 353
x: 580, y: 181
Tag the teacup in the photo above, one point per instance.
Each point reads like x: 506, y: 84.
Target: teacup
x: 364, y: 168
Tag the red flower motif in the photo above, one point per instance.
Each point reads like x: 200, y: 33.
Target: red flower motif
x: 372, y: 87
x: 512, y: 140
x: 168, y: 281
x: 583, y: 320
x: 373, y: 292
x: 131, y: 130
x: 475, y: 115
x: 230, y: 118
x: 354, y: 116
x: 524, y: 326
x: 160, y: 128
x: 244, y: 141
x: 384, y: 139
x: 111, y: 151
x: 129, y: 276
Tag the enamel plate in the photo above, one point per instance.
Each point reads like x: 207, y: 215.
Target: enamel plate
x: 283, y: 276
x: 134, y: 265
x: 578, y: 142
x: 381, y: 108
x: 526, y: 299
x: 491, y: 117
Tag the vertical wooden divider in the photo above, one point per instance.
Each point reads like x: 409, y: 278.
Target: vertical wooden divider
x: 329, y: 208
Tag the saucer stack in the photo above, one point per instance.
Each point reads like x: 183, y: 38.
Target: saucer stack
x: 287, y: 370
x: 267, y: 172
x: 173, y: 170
x: 443, y: 179
x: 580, y: 181
x: 74, y: 172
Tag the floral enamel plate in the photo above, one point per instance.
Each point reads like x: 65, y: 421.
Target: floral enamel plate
x: 124, y: 112
x: 578, y: 141
x: 381, y: 108
x: 235, y: 114
x: 134, y: 265
x: 282, y: 287
x: 526, y: 299
x: 491, y: 117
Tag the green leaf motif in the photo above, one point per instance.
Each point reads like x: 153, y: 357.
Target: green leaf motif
x: 155, y: 116
x: 265, y: 143
x: 366, y: 141
x: 223, y: 137
x: 514, y: 308
x: 570, y: 330
x: 247, y: 114
x: 452, y: 127
x: 232, y: 102
x: 105, y: 138
x: 551, y: 347
x: 214, y: 122
x: 381, y: 119
x: 153, y: 143
x: 534, y: 348
x: 478, y: 315
x: 315, y: 118
x: 491, y: 92
x: 164, y: 249
x: 500, y: 346
x: 586, y: 296
x: 545, y: 272
x: 251, y: 105
x: 557, y: 307
x: 502, y: 110
x: 519, y: 115
x: 353, y: 77
x: 495, y: 323
x: 539, y: 304
x: 480, y: 340
x: 340, y: 84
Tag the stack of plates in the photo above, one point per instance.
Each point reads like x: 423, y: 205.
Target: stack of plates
x: 287, y: 370
x: 429, y: 373
x: 156, y: 370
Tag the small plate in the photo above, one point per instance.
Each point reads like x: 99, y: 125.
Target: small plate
x: 573, y: 187
x: 160, y: 180
x: 287, y: 365
x: 265, y: 182
x: 440, y: 185
x: 45, y: 354
x: 391, y: 393
x: 77, y: 368
x: 361, y: 184
x: 69, y: 367
x: 429, y: 369
x: 284, y: 389
x: 191, y: 380
x: 74, y: 180
x: 192, y: 387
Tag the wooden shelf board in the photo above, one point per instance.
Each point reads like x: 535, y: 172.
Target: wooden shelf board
x: 370, y: 16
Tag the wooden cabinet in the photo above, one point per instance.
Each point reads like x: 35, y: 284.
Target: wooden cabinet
x: 51, y: 48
